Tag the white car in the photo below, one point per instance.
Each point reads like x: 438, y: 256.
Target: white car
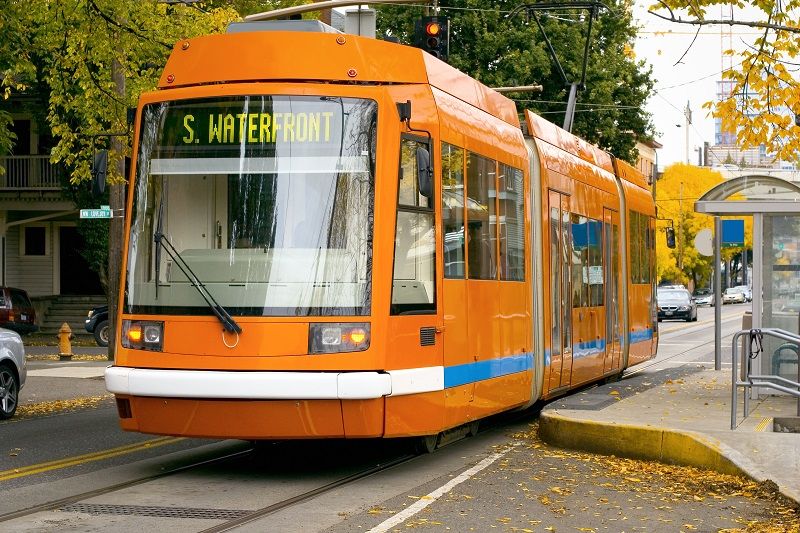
x: 12, y: 371
x: 748, y: 293
x: 733, y: 295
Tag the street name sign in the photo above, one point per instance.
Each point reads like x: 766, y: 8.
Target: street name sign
x: 103, y: 212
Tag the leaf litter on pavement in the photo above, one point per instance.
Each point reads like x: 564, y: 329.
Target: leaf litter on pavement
x: 56, y: 406
x: 539, y: 488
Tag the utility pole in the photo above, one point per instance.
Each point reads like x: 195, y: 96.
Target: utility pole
x: 687, y: 113
x: 680, y: 228
x: 116, y: 226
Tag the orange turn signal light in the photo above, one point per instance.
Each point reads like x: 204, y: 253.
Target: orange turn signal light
x: 135, y: 334
x: 357, y: 336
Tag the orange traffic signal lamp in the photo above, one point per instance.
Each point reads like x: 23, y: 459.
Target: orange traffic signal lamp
x: 432, y: 35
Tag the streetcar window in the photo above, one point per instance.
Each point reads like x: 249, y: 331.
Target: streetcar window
x: 481, y: 219
x: 453, y: 210
x: 642, y: 247
x: 409, y: 193
x: 555, y: 279
x: 511, y: 210
x: 587, y: 262
x: 580, y: 260
x: 633, y: 225
x: 594, y: 275
x: 413, y: 283
x: 268, y: 199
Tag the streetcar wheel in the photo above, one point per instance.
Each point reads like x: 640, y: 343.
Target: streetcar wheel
x: 426, y: 444
x: 473, y: 428
x: 101, y: 333
x: 9, y: 392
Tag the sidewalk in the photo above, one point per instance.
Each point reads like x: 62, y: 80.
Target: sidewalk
x: 53, y: 380
x: 680, y: 416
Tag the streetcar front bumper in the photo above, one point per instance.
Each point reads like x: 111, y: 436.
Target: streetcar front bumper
x: 276, y: 405
x: 258, y: 385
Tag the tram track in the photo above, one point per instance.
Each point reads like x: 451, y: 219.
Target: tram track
x: 300, y: 498
x: 71, y: 503
x: 69, y: 500
x: 231, y: 519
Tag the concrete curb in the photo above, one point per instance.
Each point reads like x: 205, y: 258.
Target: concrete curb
x: 685, y: 448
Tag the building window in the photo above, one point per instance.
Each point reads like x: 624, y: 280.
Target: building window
x: 34, y: 241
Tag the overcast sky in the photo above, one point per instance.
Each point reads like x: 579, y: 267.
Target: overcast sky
x: 680, y: 79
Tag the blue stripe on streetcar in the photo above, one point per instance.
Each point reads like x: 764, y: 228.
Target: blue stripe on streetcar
x: 492, y: 368
x: 641, y: 335
x: 503, y: 366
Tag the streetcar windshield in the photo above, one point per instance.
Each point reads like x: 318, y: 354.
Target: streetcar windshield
x: 267, y: 199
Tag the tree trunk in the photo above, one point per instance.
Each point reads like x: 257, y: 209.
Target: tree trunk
x: 116, y: 200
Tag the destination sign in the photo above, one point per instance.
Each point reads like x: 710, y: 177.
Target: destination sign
x: 210, y: 127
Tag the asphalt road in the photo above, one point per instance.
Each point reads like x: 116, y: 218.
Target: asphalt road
x: 503, y: 479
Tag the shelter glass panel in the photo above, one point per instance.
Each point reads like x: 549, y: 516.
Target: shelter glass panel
x: 781, y: 292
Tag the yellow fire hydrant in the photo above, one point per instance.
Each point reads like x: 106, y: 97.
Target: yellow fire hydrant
x: 64, y: 344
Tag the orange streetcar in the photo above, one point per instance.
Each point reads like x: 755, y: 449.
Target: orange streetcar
x: 357, y: 240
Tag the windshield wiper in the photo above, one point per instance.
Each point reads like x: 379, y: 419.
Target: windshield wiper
x: 158, y: 247
x: 220, y: 312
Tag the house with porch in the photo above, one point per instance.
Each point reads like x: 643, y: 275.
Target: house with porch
x: 40, y: 247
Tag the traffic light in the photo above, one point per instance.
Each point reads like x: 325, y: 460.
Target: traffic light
x: 432, y: 34
x: 670, y: 237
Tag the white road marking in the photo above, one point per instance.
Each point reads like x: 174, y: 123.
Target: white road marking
x: 425, y: 501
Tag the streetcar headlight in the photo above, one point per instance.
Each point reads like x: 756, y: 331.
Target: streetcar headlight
x: 142, y: 335
x: 338, y: 337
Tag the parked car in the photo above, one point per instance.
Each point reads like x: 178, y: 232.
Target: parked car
x: 703, y: 297
x: 748, y: 293
x: 676, y: 303
x: 12, y: 371
x: 733, y: 295
x: 16, y: 311
x: 97, y: 324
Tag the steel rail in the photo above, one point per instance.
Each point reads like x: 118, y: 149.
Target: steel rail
x: 313, y: 493
x: 68, y: 500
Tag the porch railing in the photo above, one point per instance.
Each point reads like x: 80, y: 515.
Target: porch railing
x: 30, y: 172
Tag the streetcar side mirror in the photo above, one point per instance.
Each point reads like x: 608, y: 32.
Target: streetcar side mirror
x: 670, y: 233
x: 99, y: 172
x: 424, y: 173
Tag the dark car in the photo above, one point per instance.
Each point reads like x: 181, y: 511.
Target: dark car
x: 676, y: 303
x: 97, y: 324
x: 16, y: 311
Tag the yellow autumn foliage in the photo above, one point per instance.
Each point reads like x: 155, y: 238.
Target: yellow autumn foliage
x: 764, y: 102
x: 679, y: 187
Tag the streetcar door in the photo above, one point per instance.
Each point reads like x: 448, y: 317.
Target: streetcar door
x: 414, y: 340
x: 560, y: 292
x: 613, y: 331
x: 454, y: 286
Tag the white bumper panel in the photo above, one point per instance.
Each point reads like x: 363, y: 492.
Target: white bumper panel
x: 417, y: 380
x: 248, y: 385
